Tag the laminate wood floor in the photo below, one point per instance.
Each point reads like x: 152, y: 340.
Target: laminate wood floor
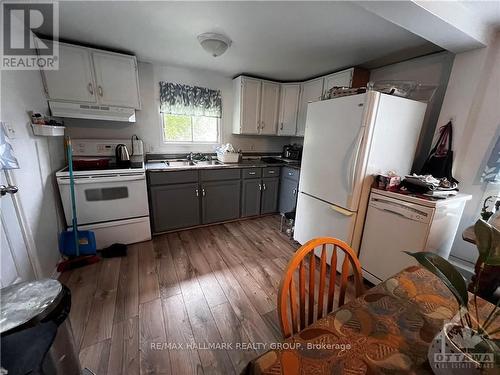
x: 183, y: 302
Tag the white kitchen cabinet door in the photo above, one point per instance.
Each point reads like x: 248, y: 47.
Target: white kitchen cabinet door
x: 340, y: 79
x: 73, y: 81
x: 250, y: 106
x: 289, y: 103
x: 116, y: 80
x: 269, y: 108
x: 311, y: 92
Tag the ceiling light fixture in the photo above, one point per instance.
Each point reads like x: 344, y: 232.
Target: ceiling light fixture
x: 214, y: 44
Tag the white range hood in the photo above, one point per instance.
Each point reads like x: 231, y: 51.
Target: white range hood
x: 91, y: 111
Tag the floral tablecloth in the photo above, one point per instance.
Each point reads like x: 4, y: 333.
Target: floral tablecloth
x: 385, y: 331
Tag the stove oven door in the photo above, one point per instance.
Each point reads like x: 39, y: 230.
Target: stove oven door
x: 103, y: 198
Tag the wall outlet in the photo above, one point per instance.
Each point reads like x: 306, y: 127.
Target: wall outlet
x: 10, y: 132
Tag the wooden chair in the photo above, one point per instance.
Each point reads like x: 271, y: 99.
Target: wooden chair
x: 288, y: 294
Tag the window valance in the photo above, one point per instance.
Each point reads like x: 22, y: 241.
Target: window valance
x: 179, y: 99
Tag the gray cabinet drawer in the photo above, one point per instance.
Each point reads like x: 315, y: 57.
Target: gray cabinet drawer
x: 172, y: 177
x: 220, y: 174
x: 271, y: 172
x: 290, y: 173
x: 251, y: 172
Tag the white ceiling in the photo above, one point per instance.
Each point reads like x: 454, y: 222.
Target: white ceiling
x: 487, y: 11
x: 287, y: 41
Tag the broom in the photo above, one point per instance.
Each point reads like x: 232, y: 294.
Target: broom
x: 70, y: 241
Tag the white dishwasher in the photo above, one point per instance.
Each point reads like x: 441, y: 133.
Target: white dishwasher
x: 395, y: 223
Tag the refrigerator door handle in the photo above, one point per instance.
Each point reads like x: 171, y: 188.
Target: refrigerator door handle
x: 354, y: 164
x: 341, y: 210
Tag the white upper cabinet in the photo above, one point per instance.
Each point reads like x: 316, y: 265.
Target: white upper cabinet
x: 340, y: 79
x: 74, y: 81
x: 116, y: 79
x: 256, y: 106
x: 87, y: 75
x: 247, y: 98
x: 270, y: 93
x: 289, y: 103
x: 268, y: 108
x: 311, y: 92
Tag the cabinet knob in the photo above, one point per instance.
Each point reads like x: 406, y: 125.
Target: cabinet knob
x: 260, y: 187
x: 91, y: 88
x: 251, y: 173
x: 294, y: 191
x: 100, y: 91
x: 197, y: 192
x: 263, y: 186
x: 281, y: 127
x: 203, y: 192
x: 270, y: 172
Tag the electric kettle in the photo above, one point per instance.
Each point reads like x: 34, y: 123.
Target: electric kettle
x: 122, y: 156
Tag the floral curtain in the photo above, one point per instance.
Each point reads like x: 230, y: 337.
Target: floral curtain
x: 179, y: 99
x: 491, y: 171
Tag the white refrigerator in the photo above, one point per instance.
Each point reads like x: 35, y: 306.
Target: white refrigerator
x: 347, y: 141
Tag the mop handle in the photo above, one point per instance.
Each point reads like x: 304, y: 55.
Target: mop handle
x: 73, y: 200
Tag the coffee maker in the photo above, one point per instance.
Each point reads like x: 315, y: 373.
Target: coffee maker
x: 292, y: 152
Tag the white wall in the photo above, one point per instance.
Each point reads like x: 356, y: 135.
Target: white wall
x: 39, y: 157
x: 428, y: 70
x: 473, y: 102
x: 148, y: 125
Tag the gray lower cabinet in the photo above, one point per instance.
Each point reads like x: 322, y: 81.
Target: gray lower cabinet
x: 270, y: 191
x: 250, y: 200
x: 288, y: 195
x: 175, y: 206
x: 220, y: 201
x: 182, y: 199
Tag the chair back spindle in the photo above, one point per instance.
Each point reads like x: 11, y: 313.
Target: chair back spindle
x: 314, y: 281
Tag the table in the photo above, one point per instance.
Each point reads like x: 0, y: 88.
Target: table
x: 388, y: 330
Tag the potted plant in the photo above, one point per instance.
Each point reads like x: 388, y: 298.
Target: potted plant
x: 466, y: 345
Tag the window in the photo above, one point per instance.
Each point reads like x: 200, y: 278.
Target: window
x: 190, y: 114
x: 190, y: 129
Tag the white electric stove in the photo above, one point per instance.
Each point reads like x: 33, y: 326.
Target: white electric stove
x: 111, y: 200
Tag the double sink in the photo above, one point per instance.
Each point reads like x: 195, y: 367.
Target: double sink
x: 176, y: 163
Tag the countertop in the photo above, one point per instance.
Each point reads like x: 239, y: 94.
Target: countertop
x: 248, y: 163
x: 422, y: 199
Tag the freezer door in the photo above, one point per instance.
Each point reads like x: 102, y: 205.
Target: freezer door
x: 332, y: 143
x: 315, y: 218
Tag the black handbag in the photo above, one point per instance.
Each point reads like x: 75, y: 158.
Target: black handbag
x: 439, y: 163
